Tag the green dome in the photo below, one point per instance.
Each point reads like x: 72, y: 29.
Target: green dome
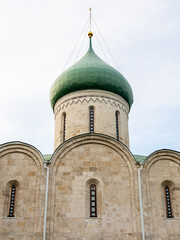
x: 91, y: 72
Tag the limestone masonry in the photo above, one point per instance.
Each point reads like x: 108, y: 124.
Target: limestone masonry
x: 92, y: 178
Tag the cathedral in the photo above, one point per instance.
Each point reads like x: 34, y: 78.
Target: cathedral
x: 92, y: 187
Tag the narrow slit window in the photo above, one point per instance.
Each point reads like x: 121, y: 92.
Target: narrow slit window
x: 12, y: 201
x: 91, y: 120
x: 93, y: 207
x: 64, y: 127
x: 168, y: 202
x: 117, y: 124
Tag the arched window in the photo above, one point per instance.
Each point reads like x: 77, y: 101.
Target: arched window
x: 117, y: 124
x: 93, y: 202
x: 168, y: 202
x: 12, y: 201
x: 91, y: 119
x: 64, y: 126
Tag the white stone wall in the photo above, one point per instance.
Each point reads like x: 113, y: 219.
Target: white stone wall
x: 109, y: 165
x: 76, y: 106
x: 162, y: 168
x: 84, y: 160
x: 21, y: 165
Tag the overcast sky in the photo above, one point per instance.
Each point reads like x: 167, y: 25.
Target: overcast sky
x: 37, y: 38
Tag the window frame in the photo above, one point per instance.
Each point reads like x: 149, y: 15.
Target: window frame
x: 91, y: 119
x: 12, y: 201
x: 93, y: 213
x: 64, y: 126
x: 168, y: 203
x: 117, y: 124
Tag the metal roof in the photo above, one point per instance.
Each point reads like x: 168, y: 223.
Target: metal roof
x: 91, y: 72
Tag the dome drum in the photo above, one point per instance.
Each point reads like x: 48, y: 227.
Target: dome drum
x: 76, y: 107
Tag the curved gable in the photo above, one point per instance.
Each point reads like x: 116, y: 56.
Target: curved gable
x: 24, y: 148
x: 164, y: 154
x: 95, y: 138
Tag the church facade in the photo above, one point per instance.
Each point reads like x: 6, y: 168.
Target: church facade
x: 92, y: 187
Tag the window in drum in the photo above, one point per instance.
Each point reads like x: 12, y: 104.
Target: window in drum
x: 12, y: 201
x: 168, y: 202
x: 93, y: 208
x: 91, y: 120
x: 117, y: 124
x: 64, y: 126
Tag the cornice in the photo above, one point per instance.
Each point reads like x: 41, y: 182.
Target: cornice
x: 90, y: 99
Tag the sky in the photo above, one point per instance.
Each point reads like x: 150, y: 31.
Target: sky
x: 38, y: 37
